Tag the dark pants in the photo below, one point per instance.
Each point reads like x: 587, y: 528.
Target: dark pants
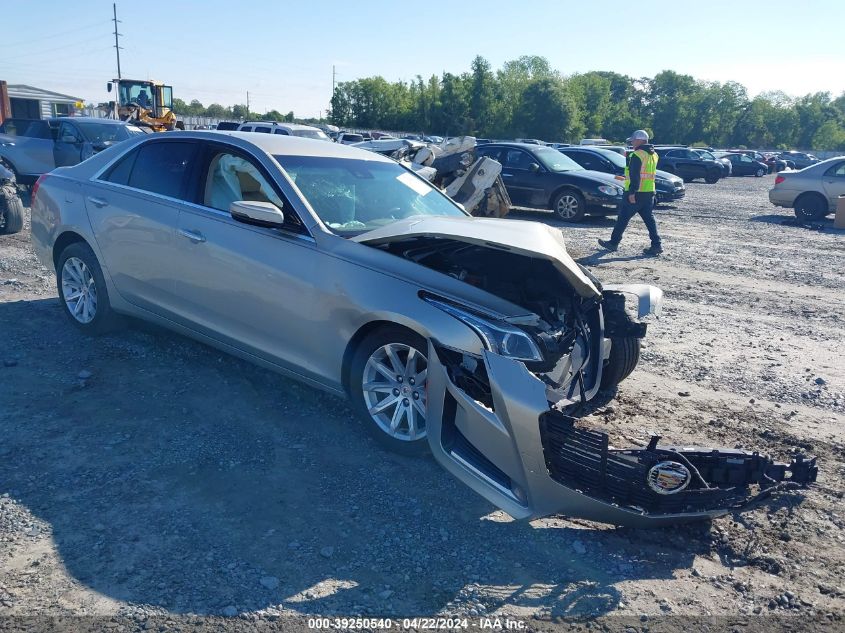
x: 645, y: 207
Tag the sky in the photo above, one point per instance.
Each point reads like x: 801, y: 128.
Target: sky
x: 283, y: 53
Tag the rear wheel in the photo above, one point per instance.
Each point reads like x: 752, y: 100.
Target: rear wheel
x: 810, y: 206
x: 82, y: 290
x: 711, y: 179
x: 387, y: 385
x: 760, y: 172
x: 11, y: 210
x: 569, y: 206
x: 624, y: 356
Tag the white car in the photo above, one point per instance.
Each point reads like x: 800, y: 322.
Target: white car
x: 286, y: 129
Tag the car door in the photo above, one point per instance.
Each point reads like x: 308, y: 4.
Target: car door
x: 247, y: 286
x: 525, y: 187
x: 746, y: 165
x: 68, y: 149
x: 133, y: 207
x: 833, y: 182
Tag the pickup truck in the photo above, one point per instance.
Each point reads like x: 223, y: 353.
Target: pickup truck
x: 30, y: 148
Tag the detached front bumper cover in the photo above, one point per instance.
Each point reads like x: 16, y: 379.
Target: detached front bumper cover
x: 532, y: 461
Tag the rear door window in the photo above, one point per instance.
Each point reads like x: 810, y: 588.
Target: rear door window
x: 163, y: 167
x: 120, y: 172
x: 262, y: 128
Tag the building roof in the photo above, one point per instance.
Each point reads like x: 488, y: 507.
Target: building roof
x: 22, y: 91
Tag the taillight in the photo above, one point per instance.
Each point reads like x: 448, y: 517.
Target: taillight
x: 35, y: 187
x: 779, y: 179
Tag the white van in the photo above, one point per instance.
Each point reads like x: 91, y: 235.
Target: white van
x: 288, y: 129
x: 594, y: 141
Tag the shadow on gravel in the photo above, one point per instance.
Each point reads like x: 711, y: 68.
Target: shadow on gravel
x: 177, y: 477
x: 606, y: 257
x: 825, y: 224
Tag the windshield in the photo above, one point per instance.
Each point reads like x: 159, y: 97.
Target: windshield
x: 614, y: 157
x: 705, y: 154
x: 105, y: 133
x: 354, y: 196
x: 553, y: 160
x: 318, y: 134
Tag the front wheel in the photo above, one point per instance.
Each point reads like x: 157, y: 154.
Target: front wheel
x: 760, y: 172
x: 810, y: 207
x: 387, y: 385
x: 624, y: 356
x: 82, y: 290
x: 569, y: 206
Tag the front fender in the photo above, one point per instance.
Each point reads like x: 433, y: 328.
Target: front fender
x: 649, y: 298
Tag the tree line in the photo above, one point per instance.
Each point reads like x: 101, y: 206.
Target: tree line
x: 526, y: 98
x: 236, y: 112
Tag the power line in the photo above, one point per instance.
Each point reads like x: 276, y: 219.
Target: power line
x: 30, y: 40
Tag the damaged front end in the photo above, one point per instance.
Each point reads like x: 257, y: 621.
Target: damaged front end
x: 493, y: 428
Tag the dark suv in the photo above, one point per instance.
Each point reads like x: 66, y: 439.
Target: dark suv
x: 667, y: 186
x: 801, y: 159
x: 541, y: 177
x: 687, y: 164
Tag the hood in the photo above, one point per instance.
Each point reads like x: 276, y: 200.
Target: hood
x: 532, y: 239
x: 665, y: 175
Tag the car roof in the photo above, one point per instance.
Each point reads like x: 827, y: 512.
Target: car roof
x: 292, y: 126
x: 282, y: 145
x: 90, y: 119
x: 528, y: 146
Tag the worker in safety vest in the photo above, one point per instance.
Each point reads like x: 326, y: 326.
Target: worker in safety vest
x: 640, y: 167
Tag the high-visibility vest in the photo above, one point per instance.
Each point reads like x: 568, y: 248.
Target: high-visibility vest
x: 648, y: 166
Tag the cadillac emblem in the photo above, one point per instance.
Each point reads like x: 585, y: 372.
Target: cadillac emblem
x: 667, y: 478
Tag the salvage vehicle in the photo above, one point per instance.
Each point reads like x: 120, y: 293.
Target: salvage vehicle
x: 799, y: 160
x: 811, y: 192
x: 33, y: 147
x: 477, y: 338
x: 687, y: 164
x: 668, y: 187
x: 11, y: 206
x: 542, y: 178
x: 724, y: 163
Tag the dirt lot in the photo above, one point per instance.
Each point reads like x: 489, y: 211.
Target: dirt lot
x: 143, y: 473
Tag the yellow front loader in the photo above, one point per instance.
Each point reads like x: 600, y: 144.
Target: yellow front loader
x: 144, y: 103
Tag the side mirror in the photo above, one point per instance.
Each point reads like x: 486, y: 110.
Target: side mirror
x: 264, y: 214
x: 534, y: 167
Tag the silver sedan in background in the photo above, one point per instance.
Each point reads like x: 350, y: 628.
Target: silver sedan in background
x: 813, y: 191
x: 478, y: 339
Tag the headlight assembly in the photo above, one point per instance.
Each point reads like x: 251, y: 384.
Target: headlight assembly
x: 610, y: 190
x: 498, y: 337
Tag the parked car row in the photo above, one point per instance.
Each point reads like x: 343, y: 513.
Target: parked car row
x: 811, y: 192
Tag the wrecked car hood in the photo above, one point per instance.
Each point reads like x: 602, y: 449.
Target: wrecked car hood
x: 531, y: 239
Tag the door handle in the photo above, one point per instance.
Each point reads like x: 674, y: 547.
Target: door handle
x: 195, y: 236
x: 507, y: 175
x: 98, y: 202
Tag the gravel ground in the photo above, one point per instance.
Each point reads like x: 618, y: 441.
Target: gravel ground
x: 145, y: 475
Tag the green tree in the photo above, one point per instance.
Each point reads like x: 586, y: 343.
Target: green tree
x: 482, y: 98
x: 547, y: 111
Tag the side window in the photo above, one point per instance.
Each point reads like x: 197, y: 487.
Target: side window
x: 163, y: 167
x: 517, y: 159
x: 837, y: 171
x: 674, y: 154
x: 262, y: 128
x: 745, y: 158
x: 280, y: 130
x: 69, y: 134
x: 246, y: 128
x: 231, y: 178
x: 489, y: 152
x: 119, y: 173
x: 588, y: 162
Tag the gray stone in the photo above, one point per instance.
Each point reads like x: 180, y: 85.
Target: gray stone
x: 327, y: 552
x: 269, y: 582
x: 230, y: 611
x: 579, y: 547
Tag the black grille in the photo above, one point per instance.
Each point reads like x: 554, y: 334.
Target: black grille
x: 581, y: 460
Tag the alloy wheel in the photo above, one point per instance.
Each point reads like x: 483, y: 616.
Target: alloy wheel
x: 567, y: 206
x: 79, y: 290
x: 393, y: 385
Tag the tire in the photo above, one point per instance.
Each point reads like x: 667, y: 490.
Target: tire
x: 688, y: 179
x: 711, y: 179
x: 11, y: 211
x: 624, y: 356
x: 760, y: 172
x: 810, y: 206
x: 78, y: 272
x: 403, y: 388
x: 569, y: 206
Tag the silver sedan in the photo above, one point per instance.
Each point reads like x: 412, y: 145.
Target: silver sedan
x: 475, y: 338
x: 813, y: 191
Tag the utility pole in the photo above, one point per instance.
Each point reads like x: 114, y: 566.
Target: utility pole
x: 247, y: 104
x: 334, y: 80
x: 116, y: 40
